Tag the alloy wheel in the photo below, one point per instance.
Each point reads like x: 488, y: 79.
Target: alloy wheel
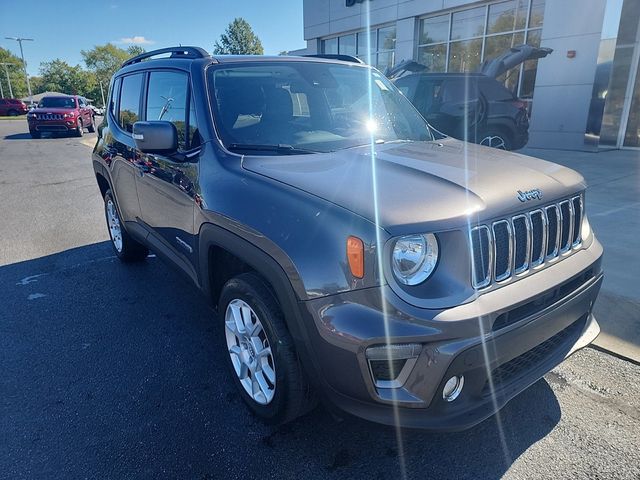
x: 494, y: 141
x: 250, y: 352
x: 115, y: 229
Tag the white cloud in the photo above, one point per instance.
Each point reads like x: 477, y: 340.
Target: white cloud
x: 137, y: 40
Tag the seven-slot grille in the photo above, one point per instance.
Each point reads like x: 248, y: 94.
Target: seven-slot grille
x: 49, y: 116
x: 515, y: 245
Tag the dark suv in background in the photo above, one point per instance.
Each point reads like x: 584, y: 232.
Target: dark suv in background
x: 352, y: 255
x: 471, y: 106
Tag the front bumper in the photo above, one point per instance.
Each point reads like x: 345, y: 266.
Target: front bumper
x: 53, y: 125
x: 546, y: 321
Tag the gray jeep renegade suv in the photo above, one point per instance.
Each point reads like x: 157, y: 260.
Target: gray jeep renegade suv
x: 353, y: 255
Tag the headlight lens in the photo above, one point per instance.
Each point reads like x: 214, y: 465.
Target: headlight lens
x: 69, y: 115
x: 414, y: 258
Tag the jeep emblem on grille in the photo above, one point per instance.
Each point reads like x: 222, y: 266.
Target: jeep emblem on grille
x: 530, y: 194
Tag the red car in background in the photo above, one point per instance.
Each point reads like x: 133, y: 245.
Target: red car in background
x: 12, y: 107
x: 61, y: 114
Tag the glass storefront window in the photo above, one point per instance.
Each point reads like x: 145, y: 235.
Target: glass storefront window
x: 507, y: 16
x: 537, y: 13
x: 465, y: 56
x: 347, y: 45
x: 434, y: 57
x: 362, y: 44
x: 376, y: 46
x: 434, y: 30
x: 387, y: 38
x: 530, y: 68
x: 453, y: 42
x: 468, y: 23
x: 498, y: 44
x: 330, y: 46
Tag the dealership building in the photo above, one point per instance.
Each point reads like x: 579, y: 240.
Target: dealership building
x: 583, y: 96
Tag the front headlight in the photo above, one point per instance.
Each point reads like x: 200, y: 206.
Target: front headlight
x: 69, y: 115
x: 414, y: 258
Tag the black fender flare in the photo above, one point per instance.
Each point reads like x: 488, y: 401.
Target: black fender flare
x: 271, y: 271
x: 265, y: 265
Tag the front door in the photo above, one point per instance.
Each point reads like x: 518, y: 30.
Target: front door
x: 167, y: 183
x: 119, y: 146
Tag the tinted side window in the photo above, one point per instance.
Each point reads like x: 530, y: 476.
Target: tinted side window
x: 407, y: 85
x: 460, y: 90
x: 493, y: 90
x: 167, y: 100
x: 81, y: 102
x: 113, y: 98
x: 129, y: 111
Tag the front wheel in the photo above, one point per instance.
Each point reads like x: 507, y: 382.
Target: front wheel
x: 261, y: 355
x: 35, y: 134
x: 127, y: 249
x: 92, y: 126
x: 80, y: 129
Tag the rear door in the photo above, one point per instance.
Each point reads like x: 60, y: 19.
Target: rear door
x: 167, y: 183
x: 459, y: 107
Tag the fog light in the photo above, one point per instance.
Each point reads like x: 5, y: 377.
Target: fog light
x: 452, y: 388
x: 391, y: 364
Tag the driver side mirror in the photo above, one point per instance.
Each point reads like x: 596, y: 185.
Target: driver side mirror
x: 156, y: 137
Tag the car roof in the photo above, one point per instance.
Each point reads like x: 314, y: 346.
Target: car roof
x: 185, y: 63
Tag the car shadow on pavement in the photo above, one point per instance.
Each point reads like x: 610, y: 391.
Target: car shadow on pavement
x: 18, y: 136
x: 112, y: 370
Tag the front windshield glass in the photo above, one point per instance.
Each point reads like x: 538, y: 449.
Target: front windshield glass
x: 307, y: 106
x: 57, y: 102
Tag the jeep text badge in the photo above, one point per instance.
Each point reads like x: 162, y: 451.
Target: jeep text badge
x: 529, y: 194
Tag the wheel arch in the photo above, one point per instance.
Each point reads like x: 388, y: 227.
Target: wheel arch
x: 235, y: 255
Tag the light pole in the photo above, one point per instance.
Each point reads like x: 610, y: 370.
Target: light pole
x: 6, y: 70
x: 24, y: 64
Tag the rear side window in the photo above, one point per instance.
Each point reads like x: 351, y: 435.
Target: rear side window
x: 167, y: 100
x: 460, y: 90
x: 113, y: 98
x: 129, y: 112
x: 493, y: 90
x: 407, y: 85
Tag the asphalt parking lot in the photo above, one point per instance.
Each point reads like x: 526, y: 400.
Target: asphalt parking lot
x: 113, y: 371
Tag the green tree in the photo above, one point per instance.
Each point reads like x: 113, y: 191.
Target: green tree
x: 238, y: 39
x: 134, y: 50
x: 57, y: 75
x: 16, y: 75
x: 105, y: 60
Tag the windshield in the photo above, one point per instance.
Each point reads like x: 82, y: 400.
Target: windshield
x: 315, y: 107
x: 57, y: 102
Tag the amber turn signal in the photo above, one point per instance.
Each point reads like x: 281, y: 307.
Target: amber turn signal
x: 355, y: 255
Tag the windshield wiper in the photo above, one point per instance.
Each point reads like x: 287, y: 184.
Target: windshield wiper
x: 282, y: 148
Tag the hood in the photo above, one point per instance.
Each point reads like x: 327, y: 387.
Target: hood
x: 52, y: 110
x: 512, y: 58
x: 422, y: 186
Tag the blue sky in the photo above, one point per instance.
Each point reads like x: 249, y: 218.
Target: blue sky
x: 61, y: 28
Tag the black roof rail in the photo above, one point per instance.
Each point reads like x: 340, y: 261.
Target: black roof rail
x: 335, y: 56
x: 176, y: 52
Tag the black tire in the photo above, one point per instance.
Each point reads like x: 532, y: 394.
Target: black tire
x: 79, y: 131
x: 496, y: 138
x: 35, y: 134
x: 12, y: 113
x: 292, y: 397
x: 130, y: 250
x: 92, y: 126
